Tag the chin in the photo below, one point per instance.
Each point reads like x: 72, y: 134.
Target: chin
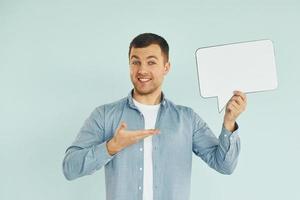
x: 144, y: 91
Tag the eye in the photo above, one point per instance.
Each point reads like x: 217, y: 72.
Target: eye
x: 151, y: 63
x: 135, y: 62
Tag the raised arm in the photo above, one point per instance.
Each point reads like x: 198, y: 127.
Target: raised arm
x: 220, y: 153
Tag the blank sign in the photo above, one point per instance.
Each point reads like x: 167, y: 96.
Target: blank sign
x: 244, y: 66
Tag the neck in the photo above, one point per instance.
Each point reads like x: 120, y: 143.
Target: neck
x: 148, y: 99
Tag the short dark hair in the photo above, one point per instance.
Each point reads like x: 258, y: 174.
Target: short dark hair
x: 146, y: 39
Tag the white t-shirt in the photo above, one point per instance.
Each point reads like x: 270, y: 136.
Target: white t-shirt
x: 150, y: 114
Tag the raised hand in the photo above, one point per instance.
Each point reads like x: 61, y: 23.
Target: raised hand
x: 235, y: 106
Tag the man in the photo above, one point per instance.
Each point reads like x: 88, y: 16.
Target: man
x: 145, y: 141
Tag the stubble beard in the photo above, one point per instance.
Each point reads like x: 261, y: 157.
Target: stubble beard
x: 142, y: 92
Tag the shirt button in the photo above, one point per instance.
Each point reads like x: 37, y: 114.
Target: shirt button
x: 141, y: 169
x: 225, y: 135
x: 140, y: 187
x: 141, y: 149
x: 231, y: 138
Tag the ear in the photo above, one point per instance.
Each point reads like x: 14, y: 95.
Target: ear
x: 167, y: 67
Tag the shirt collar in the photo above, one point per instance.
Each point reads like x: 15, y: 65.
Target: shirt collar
x: 131, y: 103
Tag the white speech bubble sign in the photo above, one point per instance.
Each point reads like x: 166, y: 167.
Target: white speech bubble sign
x: 245, y: 66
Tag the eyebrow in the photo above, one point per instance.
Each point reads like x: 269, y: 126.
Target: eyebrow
x: 135, y: 56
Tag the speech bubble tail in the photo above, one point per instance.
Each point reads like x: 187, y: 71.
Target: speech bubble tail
x: 222, y: 101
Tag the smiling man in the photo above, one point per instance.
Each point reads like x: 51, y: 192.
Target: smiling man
x: 146, y: 141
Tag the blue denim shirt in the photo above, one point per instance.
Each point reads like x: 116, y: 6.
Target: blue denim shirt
x: 182, y: 133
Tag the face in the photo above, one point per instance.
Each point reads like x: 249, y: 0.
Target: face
x: 148, y: 67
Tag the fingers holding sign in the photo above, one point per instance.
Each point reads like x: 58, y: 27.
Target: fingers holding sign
x: 235, y: 106
x: 240, y: 99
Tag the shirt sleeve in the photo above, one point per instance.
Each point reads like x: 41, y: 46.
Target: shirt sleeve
x: 219, y: 153
x: 88, y: 152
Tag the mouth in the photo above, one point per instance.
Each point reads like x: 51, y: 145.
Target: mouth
x: 144, y: 80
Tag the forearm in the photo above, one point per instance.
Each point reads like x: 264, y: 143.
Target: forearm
x: 84, y: 161
x: 228, y: 150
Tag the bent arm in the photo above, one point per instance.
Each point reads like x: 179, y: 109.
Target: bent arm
x: 88, y: 152
x: 220, y: 153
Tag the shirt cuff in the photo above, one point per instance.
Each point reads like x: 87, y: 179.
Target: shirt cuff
x: 226, y: 137
x: 102, y: 154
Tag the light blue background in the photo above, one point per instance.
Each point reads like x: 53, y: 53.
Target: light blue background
x: 61, y: 59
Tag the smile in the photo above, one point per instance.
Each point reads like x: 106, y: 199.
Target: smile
x: 144, y: 80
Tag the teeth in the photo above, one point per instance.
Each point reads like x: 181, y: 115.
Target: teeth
x: 144, y: 79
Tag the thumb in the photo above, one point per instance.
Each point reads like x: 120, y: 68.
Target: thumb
x: 123, y: 125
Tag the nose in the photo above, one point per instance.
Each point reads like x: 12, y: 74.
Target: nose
x: 142, y: 69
